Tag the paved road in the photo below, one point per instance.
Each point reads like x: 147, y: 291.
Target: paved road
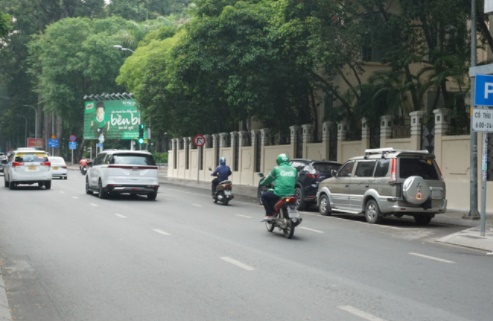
x: 66, y: 255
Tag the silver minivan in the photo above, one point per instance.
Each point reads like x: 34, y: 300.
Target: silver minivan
x: 384, y: 182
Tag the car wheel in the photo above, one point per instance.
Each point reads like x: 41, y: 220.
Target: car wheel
x: 300, y: 204
x: 151, y: 196
x: 47, y: 184
x: 422, y: 219
x: 101, y: 193
x: 372, y: 212
x: 6, y: 183
x: 12, y: 186
x: 324, y: 207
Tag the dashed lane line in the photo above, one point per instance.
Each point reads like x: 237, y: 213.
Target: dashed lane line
x: 75, y: 197
x: 237, y: 263
x: 197, y: 205
x: 310, y: 229
x: 431, y: 258
x: 161, y: 232
x: 95, y: 205
x: 360, y: 313
x: 243, y: 216
x: 120, y: 215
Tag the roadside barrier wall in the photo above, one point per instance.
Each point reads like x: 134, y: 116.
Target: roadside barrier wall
x: 249, y: 153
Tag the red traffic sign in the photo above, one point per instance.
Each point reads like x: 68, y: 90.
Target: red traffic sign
x: 199, y: 140
x: 72, y: 138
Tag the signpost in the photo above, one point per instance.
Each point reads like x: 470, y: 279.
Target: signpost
x: 482, y: 121
x: 199, y: 141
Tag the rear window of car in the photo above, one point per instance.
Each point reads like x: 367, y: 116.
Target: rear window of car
x: 31, y: 157
x: 56, y: 160
x: 132, y: 159
x: 325, y: 167
x: 418, y: 167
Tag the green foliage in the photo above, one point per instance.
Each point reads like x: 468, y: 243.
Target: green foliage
x: 5, y: 25
x: 160, y: 158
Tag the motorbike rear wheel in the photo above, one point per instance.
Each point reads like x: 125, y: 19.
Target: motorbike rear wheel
x: 288, y: 230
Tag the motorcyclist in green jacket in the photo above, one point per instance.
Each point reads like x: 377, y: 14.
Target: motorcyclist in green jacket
x: 284, y: 177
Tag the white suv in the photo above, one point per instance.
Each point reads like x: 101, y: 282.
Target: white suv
x: 123, y: 172
x: 27, y: 166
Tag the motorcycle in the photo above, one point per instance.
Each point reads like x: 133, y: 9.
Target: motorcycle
x: 83, y: 170
x: 224, y: 192
x: 286, y: 216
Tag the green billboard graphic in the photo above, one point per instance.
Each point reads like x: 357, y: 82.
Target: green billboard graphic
x: 111, y: 119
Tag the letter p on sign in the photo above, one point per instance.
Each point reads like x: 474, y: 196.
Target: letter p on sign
x: 483, y: 93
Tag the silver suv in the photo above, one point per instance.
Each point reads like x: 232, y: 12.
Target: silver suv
x: 123, y: 172
x: 27, y: 166
x: 385, y: 182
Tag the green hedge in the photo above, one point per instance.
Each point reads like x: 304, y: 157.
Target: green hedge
x: 160, y: 157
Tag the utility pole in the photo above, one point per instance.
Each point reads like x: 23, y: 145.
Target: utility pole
x: 473, y: 187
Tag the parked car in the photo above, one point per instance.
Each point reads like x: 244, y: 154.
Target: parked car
x: 123, y: 172
x: 385, y: 182
x: 58, y: 167
x: 27, y: 166
x: 2, y: 158
x: 310, y: 174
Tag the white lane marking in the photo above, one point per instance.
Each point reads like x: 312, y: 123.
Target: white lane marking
x: 431, y: 258
x: 237, y: 263
x: 75, y: 197
x: 161, y: 232
x: 61, y: 192
x: 197, y: 205
x: 311, y: 229
x: 244, y: 216
x: 95, y: 205
x: 360, y: 313
x: 120, y: 215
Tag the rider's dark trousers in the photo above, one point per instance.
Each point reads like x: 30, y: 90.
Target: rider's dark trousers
x: 215, y: 182
x: 269, y: 199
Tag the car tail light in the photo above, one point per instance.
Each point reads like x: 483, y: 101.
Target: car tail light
x: 393, y: 169
x: 46, y: 164
x: 64, y: 167
x: 439, y: 170
x: 313, y: 176
x: 17, y: 164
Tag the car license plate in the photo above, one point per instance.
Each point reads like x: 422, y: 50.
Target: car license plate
x: 55, y: 167
x: 31, y: 167
x: 293, y: 212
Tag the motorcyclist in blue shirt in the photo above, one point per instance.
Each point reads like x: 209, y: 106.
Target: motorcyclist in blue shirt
x: 221, y: 172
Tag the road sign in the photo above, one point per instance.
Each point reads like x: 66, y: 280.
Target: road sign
x: 199, y: 140
x: 483, y: 91
x: 482, y: 120
x: 53, y: 143
x: 72, y: 145
x: 72, y: 138
x: 53, y: 136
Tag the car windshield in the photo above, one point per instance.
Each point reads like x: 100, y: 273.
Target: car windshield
x: 132, y: 159
x: 418, y: 167
x: 31, y: 157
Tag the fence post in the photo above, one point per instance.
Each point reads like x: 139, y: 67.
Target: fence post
x: 341, y: 136
x: 385, y: 130
x: 416, y: 123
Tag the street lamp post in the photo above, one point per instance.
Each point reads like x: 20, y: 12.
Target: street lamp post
x: 25, y: 129
x: 35, y: 120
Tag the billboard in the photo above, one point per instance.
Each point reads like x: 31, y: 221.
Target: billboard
x: 111, y: 119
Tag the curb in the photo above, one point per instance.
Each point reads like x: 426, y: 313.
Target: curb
x: 5, y: 314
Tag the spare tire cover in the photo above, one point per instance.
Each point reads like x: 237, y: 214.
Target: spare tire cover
x: 416, y: 190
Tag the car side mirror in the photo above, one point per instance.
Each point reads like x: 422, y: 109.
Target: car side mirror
x: 89, y: 163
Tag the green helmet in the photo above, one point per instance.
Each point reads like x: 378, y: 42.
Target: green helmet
x: 282, y: 158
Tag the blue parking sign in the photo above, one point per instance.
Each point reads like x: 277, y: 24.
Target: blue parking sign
x: 483, y: 91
